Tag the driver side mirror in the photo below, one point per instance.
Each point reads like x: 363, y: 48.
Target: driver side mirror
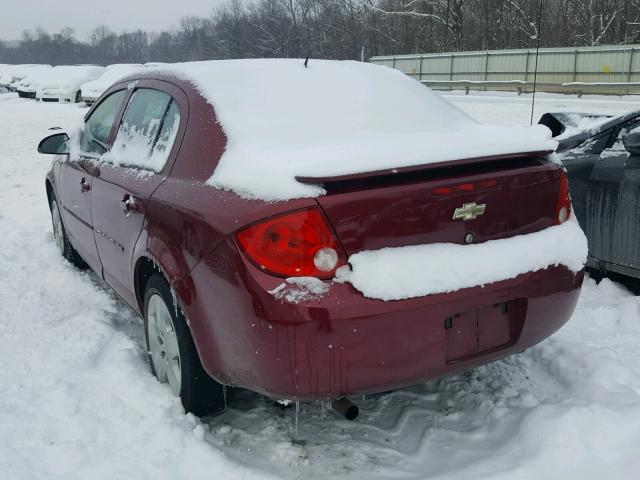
x: 632, y: 142
x: 56, y: 144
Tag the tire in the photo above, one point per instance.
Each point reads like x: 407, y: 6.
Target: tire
x: 60, y: 235
x: 172, y: 353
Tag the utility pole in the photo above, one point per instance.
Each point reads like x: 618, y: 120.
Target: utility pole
x: 446, y: 27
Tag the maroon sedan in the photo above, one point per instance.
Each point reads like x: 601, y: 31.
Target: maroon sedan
x: 347, y: 275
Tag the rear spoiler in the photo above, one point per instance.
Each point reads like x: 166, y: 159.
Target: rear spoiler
x: 403, y: 171
x: 560, y: 121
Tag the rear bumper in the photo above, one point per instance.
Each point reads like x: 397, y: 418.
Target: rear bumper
x: 345, y: 343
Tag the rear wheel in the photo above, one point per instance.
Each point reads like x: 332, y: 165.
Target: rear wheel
x: 172, y: 353
x: 60, y: 235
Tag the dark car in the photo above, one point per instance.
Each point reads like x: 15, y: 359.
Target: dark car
x: 210, y: 269
x: 603, y: 165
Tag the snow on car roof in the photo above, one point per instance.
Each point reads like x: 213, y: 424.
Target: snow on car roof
x: 111, y: 75
x: 70, y: 75
x: 284, y: 120
x: 36, y: 74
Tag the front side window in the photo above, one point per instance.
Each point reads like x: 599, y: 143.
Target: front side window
x: 95, y: 134
x: 147, y: 132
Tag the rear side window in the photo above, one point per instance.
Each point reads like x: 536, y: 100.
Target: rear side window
x: 168, y: 132
x: 147, y: 132
x: 95, y: 134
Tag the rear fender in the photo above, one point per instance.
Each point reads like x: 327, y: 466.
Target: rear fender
x: 168, y: 260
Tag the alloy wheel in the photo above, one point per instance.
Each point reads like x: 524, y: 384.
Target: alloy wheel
x: 163, y: 344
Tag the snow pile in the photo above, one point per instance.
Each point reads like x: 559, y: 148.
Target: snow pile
x: 283, y: 120
x: 416, y: 271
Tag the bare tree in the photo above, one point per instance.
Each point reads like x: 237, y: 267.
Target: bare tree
x: 355, y: 29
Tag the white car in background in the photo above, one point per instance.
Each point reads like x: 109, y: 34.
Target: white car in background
x: 93, y: 89
x: 28, y: 86
x: 63, y: 83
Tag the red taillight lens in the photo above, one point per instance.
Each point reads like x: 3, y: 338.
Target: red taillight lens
x: 563, y: 205
x: 298, y: 244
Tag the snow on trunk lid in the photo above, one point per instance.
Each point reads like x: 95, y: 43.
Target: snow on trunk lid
x: 416, y: 271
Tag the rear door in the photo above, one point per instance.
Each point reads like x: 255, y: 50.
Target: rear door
x: 580, y: 162
x: 613, y: 204
x: 142, y: 153
x: 76, y: 177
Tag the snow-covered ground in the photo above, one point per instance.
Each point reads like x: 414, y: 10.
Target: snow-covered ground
x: 77, y: 400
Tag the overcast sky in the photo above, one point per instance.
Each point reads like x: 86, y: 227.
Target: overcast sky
x: 84, y: 15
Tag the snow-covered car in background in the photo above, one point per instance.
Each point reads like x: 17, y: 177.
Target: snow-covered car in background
x: 11, y: 75
x: 6, y: 76
x: 312, y: 233
x: 602, y: 157
x: 4, y: 70
x: 28, y: 86
x: 63, y: 83
x: 93, y: 89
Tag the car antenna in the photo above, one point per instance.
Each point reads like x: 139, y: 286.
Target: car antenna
x: 535, y: 72
x: 306, y: 62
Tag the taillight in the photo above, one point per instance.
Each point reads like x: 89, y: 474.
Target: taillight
x: 563, y: 204
x: 298, y: 244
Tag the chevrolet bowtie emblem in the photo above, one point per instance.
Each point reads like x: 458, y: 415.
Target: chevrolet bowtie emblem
x: 469, y: 211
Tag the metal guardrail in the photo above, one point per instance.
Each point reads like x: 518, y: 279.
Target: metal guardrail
x: 519, y: 86
x: 609, y: 70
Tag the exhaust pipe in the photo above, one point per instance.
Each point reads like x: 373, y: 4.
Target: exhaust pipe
x: 346, y: 408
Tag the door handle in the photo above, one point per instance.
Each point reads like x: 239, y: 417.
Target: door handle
x: 84, y: 185
x: 129, y: 205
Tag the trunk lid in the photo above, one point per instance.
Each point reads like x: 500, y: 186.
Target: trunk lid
x: 490, y: 199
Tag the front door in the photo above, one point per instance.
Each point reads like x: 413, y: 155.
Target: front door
x: 76, y: 178
x: 128, y: 175
x: 75, y: 193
